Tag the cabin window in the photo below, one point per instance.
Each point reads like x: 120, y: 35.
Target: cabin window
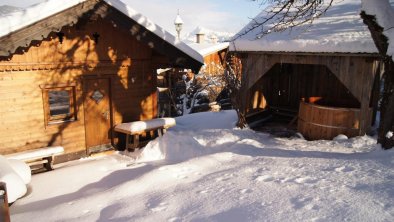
x: 59, y: 104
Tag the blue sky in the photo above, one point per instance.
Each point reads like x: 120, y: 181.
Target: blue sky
x: 219, y: 15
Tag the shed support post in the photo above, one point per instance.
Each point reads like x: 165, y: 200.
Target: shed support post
x: 364, y: 123
x: 368, y: 76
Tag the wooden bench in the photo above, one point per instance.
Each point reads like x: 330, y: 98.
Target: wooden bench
x: 43, y: 156
x: 137, y: 128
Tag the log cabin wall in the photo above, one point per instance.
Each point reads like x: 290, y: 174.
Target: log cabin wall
x: 128, y: 64
x: 355, y: 72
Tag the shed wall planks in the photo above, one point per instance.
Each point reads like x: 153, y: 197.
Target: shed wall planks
x: 346, y: 79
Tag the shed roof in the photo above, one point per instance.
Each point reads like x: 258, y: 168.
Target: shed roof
x: 14, y: 22
x: 340, y: 30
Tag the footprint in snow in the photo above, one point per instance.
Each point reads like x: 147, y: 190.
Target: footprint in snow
x: 160, y: 207
x: 203, y: 191
x: 264, y: 178
x: 261, y: 170
x: 244, y: 191
x: 287, y: 180
x: 180, y: 176
x: 344, y: 169
x: 301, y: 202
x: 225, y: 177
x: 174, y: 219
x: 222, y: 179
x: 305, y: 180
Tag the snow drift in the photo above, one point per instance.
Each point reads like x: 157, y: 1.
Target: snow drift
x: 16, y: 174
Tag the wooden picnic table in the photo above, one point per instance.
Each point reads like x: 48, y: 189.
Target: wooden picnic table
x: 137, y: 128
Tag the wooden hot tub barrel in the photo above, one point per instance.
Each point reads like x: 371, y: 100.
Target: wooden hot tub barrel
x: 324, y: 122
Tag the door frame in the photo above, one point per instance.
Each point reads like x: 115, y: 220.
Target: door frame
x: 110, y: 78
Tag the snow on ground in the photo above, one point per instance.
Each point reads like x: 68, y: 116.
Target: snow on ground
x: 16, y: 175
x: 207, y: 173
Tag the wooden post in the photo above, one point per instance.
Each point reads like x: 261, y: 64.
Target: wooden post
x: 136, y: 141
x: 367, y: 77
x: 127, y: 141
x: 49, y: 165
x: 159, y: 132
x: 4, y: 210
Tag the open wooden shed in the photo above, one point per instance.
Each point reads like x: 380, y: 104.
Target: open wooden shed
x: 327, y: 75
x: 71, y: 70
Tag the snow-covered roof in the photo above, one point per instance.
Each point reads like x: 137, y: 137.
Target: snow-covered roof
x: 7, y: 9
x: 341, y: 29
x: 384, y: 12
x: 208, y: 48
x: 18, y: 20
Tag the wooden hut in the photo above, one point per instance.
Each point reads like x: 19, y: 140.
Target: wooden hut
x: 214, y: 57
x: 325, y: 74
x: 214, y: 52
x: 71, y: 70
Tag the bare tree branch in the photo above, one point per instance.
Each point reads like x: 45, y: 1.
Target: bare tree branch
x: 286, y: 14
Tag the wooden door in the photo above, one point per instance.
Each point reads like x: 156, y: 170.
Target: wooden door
x: 97, y: 109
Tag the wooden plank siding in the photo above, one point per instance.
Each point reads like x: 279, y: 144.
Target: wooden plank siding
x: 347, y: 68
x: 117, y: 55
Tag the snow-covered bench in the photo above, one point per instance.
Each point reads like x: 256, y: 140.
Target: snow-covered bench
x: 137, y: 128
x: 43, y: 156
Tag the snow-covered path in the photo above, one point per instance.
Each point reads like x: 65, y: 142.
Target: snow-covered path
x: 223, y: 174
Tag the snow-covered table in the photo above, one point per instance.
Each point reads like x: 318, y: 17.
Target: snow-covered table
x: 138, y: 128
